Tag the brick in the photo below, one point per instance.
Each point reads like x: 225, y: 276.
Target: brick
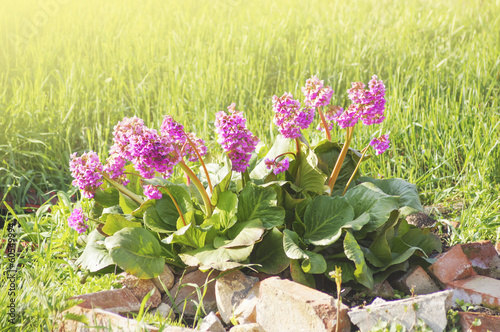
x: 116, y: 301
x: 140, y: 288
x: 416, y: 280
x: 182, y: 292
x: 477, y: 290
x: 98, y: 317
x: 284, y: 305
x: 451, y: 265
x: 230, y: 291
x: 487, y: 322
x: 484, y: 258
x: 430, y: 308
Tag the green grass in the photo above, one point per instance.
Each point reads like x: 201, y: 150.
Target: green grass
x: 65, y: 83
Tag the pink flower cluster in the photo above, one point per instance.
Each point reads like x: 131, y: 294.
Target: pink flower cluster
x: 316, y: 93
x: 86, y: 171
x: 289, y: 117
x: 277, y: 166
x: 380, y: 144
x: 368, y: 104
x: 234, y: 137
x: 175, y: 130
x: 144, y: 147
x: 77, y: 221
x: 152, y: 192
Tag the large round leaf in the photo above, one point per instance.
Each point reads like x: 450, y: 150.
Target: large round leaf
x: 137, y: 252
x: 260, y: 203
x: 269, y: 253
x: 95, y: 257
x: 325, y: 217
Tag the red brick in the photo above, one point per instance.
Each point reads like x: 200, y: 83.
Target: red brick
x: 116, y: 300
x: 484, y: 258
x: 452, y: 265
x: 477, y: 290
x: 417, y: 281
x: 488, y: 322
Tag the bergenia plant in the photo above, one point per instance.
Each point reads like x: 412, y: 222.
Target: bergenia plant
x: 296, y: 206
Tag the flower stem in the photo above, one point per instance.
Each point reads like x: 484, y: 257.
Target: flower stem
x: 284, y: 154
x: 340, y: 160
x: 297, y: 145
x: 202, y: 163
x: 176, y: 205
x: 355, y: 170
x: 121, y: 188
x: 325, y: 125
x: 199, y: 186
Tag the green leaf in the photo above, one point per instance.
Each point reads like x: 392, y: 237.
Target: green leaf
x: 260, y: 203
x: 291, y: 245
x: 409, y: 201
x: 368, y: 198
x: 135, y: 179
x: 328, y: 152
x: 280, y: 146
x: 353, y: 251
x: 423, y: 239
x: 136, y: 251
x: 309, y: 177
x: 314, y: 264
x: 95, y: 257
x: 220, y: 188
x: 127, y: 204
x: 221, y: 259
x: 380, y: 246
x: 325, y: 217
x: 348, y: 269
x: 299, y: 276
x: 153, y: 221
x: 166, y: 207
x: 269, y: 253
x: 107, y: 197
x: 190, y: 235
x: 245, y: 233
x: 116, y: 222
x: 224, y: 215
x: 139, y: 212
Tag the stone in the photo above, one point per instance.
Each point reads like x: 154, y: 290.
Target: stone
x: 477, y: 290
x: 254, y: 327
x: 115, y: 300
x: 451, y: 265
x: 497, y: 247
x: 468, y: 321
x: 140, y: 288
x: 284, y: 305
x: 430, y: 308
x: 380, y: 289
x: 102, y: 318
x: 230, y: 290
x: 164, y: 310
x: 416, y: 281
x: 182, y: 292
x: 166, y: 278
x: 245, y: 312
x: 211, y: 323
x: 483, y: 257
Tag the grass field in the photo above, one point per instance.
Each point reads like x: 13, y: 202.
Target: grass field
x: 69, y: 70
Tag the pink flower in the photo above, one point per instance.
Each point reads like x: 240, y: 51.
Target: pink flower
x: 86, y: 171
x: 316, y: 93
x: 152, y: 192
x: 380, y: 144
x: 237, y: 141
x: 277, y: 166
x: 289, y: 117
x: 77, y: 221
x: 175, y: 130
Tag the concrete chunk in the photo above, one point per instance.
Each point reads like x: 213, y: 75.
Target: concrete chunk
x: 284, y: 305
x: 431, y: 309
x: 416, y: 280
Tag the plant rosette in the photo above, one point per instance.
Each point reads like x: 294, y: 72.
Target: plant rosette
x: 292, y: 205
